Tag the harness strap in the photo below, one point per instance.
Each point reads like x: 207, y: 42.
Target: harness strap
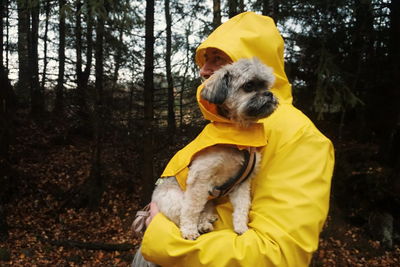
x: 244, y: 173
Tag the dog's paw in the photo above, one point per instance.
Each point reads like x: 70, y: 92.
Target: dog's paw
x: 191, y: 236
x: 206, y: 222
x: 241, y: 229
x: 205, y: 227
x: 190, y: 233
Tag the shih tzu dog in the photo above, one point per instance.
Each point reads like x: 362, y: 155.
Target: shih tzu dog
x: 241, y: 93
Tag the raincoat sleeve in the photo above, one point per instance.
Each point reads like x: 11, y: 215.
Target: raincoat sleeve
x: 290, y: 199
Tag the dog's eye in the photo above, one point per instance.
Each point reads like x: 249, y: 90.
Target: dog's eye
x: 249, y: 87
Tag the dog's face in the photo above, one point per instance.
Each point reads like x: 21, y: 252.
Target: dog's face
x: 241, y: 91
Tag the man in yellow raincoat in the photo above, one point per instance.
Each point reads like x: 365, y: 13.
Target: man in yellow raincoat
x: 290, y: 193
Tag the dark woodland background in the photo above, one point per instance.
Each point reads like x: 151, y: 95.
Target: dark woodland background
x: 96, y: 96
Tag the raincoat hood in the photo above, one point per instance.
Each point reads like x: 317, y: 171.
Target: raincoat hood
x: 240, y: 37
x: 247, y: 35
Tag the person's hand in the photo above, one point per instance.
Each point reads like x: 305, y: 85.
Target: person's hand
x: 153, y: 211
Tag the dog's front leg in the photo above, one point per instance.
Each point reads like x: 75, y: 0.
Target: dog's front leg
x: 195, y: 198
x: 241, y: 200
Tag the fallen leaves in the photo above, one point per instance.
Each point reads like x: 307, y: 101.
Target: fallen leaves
x: 35, y: 214
x: 347, y: 245
x: 47, y: 171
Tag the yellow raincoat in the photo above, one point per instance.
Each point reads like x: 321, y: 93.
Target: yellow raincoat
x: 290, y: 193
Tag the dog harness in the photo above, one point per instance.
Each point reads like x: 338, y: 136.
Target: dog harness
x: 244, y: 173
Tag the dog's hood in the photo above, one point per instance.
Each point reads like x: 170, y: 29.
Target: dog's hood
x: 248, y: 35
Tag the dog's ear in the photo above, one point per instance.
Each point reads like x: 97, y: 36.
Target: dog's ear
x: 217, y: 91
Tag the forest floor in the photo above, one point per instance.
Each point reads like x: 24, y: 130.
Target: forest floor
x: 45, y: 231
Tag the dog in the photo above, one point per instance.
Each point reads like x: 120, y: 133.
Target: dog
x: 241, y: 94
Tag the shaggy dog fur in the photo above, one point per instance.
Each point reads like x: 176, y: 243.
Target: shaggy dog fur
x: 240, y: 91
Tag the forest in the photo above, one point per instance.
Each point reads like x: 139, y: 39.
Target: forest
x: 97, y: 96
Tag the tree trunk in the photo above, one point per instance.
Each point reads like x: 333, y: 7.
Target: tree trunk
x: 395, y: 42
x: 240, y: 6
x: 183, y: 83
x: 90, y: 193
x: 265, y: 7
x: 216, y: 13
x: 118, y: 56
x: 7, y: 10
x: 99, y: 54
x: 270, y: 8
x: 89, y: 44
x: 78, y: 44
x: 363, y: 27
x: 45, y: 38
x: 37, y: 96
x: 83, y: 75
x: 394, y: 51
x: 390, y: 151
x: 96, y: 178
x: 23, y: 86
x: 2, y: 12
x: 7, y: 111
x: 232, y: 8
x: 171, y: 100
x: 118, y: 62
x: 148, y: 179
x: 59, y: 102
